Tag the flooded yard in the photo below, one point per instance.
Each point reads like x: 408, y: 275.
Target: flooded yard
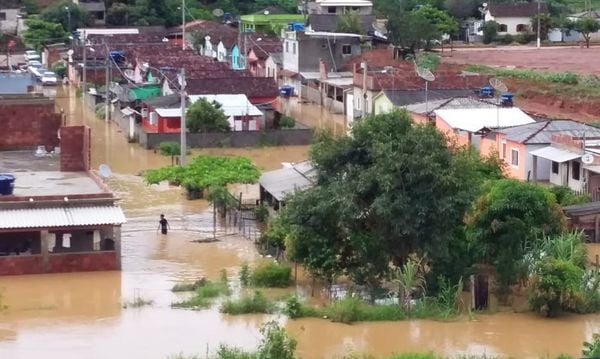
x: 81, y: 315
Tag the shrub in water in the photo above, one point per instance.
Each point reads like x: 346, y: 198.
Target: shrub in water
x: 262, y: 213
x: 245, y: 275
x: 256, y: 303
x: 271, y: 275
x: 287, y: 122
x: 204, y: 295
x: 592, y: 349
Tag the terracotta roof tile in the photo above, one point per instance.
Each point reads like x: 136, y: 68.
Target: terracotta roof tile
x: 527, y: 9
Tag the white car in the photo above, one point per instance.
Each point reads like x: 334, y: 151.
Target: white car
x: 49, y: 78
x: 34, y: 64
x: 38, y: 72
x: 32, y: 55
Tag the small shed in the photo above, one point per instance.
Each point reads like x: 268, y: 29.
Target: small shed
x: 585, y: 217
x: 276, y: 185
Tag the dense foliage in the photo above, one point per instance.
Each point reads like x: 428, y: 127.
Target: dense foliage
x: 171, y: 149
x: 40, y: 32
x: 350, y: 23
x: 390, y: 190
x: 59, y: 14
x: 271, y: 274
x: 206, y: 171
x: 204, y: 116
x: 586, y: 26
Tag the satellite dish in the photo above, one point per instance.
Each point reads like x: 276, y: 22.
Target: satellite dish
x: 498, y: 85
x: 426, y: 75
x: 485, y: 4
x: 104, y: 171
x: 587, y: 158
x: 70, y: 52
x: 207, y: 38
x: 218, y: 12
x: 266, y: 12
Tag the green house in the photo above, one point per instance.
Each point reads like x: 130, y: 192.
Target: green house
x: 271, y: 23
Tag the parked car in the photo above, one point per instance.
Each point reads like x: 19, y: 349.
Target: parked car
x: 32, y: 55
x: 49, y: 78
x: 38, y: 72
x: 33, y: 64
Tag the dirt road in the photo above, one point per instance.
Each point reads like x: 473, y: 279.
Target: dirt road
x: 557, y: 59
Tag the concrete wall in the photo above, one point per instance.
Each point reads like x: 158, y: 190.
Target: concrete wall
x: 29, y: 123
x: 510, y: 22
x: 231, y: 139
x: 82, y: 262
x: 75, y: 148
x: 10, y: 25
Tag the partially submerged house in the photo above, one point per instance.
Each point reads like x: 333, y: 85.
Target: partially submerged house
x: 276, y: 185
x: 59, y: 217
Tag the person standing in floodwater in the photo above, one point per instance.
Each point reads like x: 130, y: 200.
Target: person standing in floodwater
x: 163, y: 224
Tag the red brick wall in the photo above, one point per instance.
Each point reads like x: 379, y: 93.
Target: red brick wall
x: 82, y: 262
x: 17, y: 265
x: 29, y: 125
x: 74, y: 148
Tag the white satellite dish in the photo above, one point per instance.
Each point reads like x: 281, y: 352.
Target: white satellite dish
x: 207, y: 38
x: 498, y: 85
x: 70, y: 52
x: 426, y: 75
x: 266, y: 12
x: 485, y: 4
x: 104, y: 171
x: 218, y: 12
x: 587, y: 158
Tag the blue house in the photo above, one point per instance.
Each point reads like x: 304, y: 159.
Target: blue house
x: 238, y: 60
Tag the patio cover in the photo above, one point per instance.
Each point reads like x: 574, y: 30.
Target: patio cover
x: 61, y: 217
x: 555, y: 154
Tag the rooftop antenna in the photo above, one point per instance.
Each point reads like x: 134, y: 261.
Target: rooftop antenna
x: 498, y: 87
x: 428, y: 76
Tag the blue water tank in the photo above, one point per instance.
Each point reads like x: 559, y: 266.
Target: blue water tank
x: 286, y: 91
x: 7, y: 184
x: 298, y: 26
x: 506, y: 99
x: 486, y: 91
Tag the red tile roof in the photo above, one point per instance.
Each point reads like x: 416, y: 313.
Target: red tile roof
x: 217, y: 32
x: 252, y: 87
x: 264, y: 46
x: 526, y: 9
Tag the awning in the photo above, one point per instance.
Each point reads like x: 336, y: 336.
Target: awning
x: 555, y: 154
x: 284, y: 181
x: 61, y: 217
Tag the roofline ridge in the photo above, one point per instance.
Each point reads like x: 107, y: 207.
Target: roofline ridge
x: 536, y: 132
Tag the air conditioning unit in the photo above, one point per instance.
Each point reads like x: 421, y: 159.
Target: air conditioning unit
x: 153, y: 118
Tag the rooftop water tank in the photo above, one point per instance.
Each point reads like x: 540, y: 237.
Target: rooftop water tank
x: 7, y: 184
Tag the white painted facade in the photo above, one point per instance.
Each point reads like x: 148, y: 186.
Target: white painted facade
x: 9, y: 21
x: 511, y: 25
x: 271, y: 68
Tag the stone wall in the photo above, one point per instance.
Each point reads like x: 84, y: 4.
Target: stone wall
x: 75, y: 148
x: 287, y: 137
x: 28, y: 122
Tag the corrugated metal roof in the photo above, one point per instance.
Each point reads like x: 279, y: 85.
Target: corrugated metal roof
x: 232, y: 105
x: 61, y: 217
x: 287, y: 180
x: 474, y: 119
x: 540, y: 133
x: 457, y: 102
x: 555, y: 154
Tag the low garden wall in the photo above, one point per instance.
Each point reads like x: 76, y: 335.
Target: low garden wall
x: 282, y: 137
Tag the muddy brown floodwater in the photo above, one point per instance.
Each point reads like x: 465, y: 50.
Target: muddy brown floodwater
x: 81, y: 315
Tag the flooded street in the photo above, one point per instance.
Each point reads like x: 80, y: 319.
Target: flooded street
x: 81, y: 315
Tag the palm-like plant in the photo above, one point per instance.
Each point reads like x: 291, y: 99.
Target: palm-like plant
x: 410, y: 280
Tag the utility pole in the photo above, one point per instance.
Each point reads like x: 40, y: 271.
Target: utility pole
x: 363, y: 65
x: 183, y: 24
x: 84, y: 66
x: 183, y: 127
x: 539, y: 42
x: 107, y: 91
x: 69, y: 16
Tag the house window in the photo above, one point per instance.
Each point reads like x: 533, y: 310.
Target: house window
x: 294, y: 48
x: 522, y: 28
x: 346, y: 49
x: 100, y: 15
x: 555, y: 167
x: 2, y: 16
x: 287, y: 46
x: 331, y: 9
x: 504, y: 150
x: 502, y: 28
x: 576, y: 171
x: 514, y: 160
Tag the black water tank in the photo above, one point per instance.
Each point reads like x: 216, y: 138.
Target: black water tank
x: 7, y: 184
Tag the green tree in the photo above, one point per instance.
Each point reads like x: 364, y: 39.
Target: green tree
x: 503, y: 221
x: 170, y: 149
x: 204, y: 116
x: 444, y: 23
x: 555, y: 286
x: 350, y: 23
x: 206, y: 171
x: 58, y: 13
x: 117, y: 14
x: 461, y: 9
x: 411, y: 30
x: 586, y: 27
x: 409, y: 280
x: 41, y: 32
x: 221, y: 199
x: 547, y: 23
x: 392, y: 189
x: 490, y: 31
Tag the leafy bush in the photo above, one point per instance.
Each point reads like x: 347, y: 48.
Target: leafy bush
x: 245, y: 275
x: 276, y: 344
x: 171, y: 149
x: 100, y: 111
x: 428, y: 60
x: 261, y: 212
x: 276, y: 234
x: 590, y: 292
x: 352, y: 309
x: 271, y: 275
x: 592, y: 349
x: 490, y: 31
x: 555, y: 286
x: 189, y: 287
x: 204, y: 116
x: 506, y: 39
x: 59, y: 69
x: 257, y: 303
x: 296, y: 309
x: 523, y: 38
x: 137, y: 302
x: 204, y: 295
x: 566, y: 197
x: 287, y: 122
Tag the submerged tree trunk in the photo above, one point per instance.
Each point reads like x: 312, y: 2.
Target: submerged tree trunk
x: 215, y: 222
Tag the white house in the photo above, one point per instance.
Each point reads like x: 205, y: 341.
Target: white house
x: 9, y: 20
x: 363, y: 7
x: 273, y: 65
x: 242, y: 115
x: 514, y: 18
